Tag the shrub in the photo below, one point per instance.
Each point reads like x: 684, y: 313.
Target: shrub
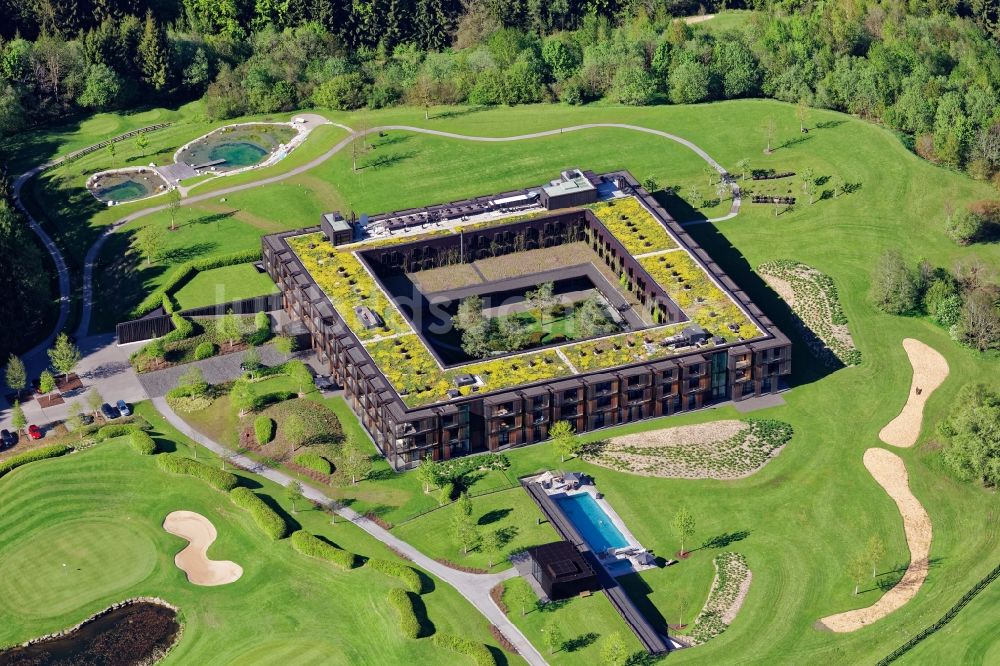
x: 142, y: 443
x: 115, y: 430
x: 284, y: 344
x: 963, y: 226
x: 177, y: 464
x: 477, y: 651
x: 312, y: 546
x: 263, y: 429
x: 32, y: 456
x: 203, y: 351
x: 262, y: 321
x: 266, y: 518
x: 408, y: 575
x: 402, y: 601
x: 315, y: 462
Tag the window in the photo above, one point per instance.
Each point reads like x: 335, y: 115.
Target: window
x: 503, y: 437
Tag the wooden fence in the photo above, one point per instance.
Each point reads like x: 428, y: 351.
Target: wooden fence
x: 97, y: 146
x: 158, y: 325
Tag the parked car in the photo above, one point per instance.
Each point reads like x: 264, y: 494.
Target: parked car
x: 34, y: 432
x: 110, y: 412
x: 123, y: 408
x: 7, y: 439
x: 324, y: 383
x: 86, y: 418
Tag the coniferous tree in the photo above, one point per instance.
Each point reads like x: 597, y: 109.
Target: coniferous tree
x: 154, y: 59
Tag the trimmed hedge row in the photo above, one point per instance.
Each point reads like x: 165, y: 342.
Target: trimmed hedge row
x: 402, y: 601
x: 31, y: 456
x: 183, y: 328
x: 409, y: 576
x: 115, y: 430
x: 266, y: 518
x: 186, y: 271
x: 142, y: 443
x: 263, y: 429
x: 477, y: 651
x: 314, y: 461
x: 309, y: 544
x: 177, y: 464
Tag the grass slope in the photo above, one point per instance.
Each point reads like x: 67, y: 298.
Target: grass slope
x: 229, y: 283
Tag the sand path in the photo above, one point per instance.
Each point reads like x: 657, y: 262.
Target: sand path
x: 193, y: 560
x: 929, y: 370
x: 889, y: 471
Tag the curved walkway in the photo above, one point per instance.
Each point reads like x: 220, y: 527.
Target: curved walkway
x: 95, y: 249
x: 474, y: 587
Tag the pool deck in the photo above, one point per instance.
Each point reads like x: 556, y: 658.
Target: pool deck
x: 652, y: 640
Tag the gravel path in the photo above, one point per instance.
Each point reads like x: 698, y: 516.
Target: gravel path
x: 929, y: 371
x: 889, y: 471
x: 474, y: 587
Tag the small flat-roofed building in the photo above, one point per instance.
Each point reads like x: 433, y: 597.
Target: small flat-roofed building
x: 561, y: 570
x: 336, y: 228
x: 572, y: 188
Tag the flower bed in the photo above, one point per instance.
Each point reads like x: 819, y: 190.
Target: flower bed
x: 813, y: 298
x: 342, y: 277
x: 717, y: 450
x: 633, y: 225
x: 729, y: 588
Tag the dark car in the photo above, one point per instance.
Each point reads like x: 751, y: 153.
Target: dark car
x: 85, y: 418
x: 7, y: 439
x: 324, y: 383
x: 123, y: 408
x: 110, y: 412
x: 34, y: 432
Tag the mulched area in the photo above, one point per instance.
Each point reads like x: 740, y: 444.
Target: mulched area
x: 49, y: 400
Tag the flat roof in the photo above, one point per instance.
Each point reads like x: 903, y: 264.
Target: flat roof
x: 337, y: 223
x: 571, y: 181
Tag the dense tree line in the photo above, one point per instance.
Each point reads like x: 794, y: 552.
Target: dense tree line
x: 930, y: 68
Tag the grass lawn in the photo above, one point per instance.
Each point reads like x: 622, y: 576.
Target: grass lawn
x: 512, y: 513
x: 84, y: 531
x: 219, y: 285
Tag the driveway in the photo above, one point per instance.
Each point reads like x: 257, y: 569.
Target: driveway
x: 215, y: 370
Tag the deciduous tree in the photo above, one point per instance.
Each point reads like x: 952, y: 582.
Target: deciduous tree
x: 228, y: 329
x: 491, y: 544
x: 683, y: 526
x: 293, y: 491
x: 94, y: 400
x: 64, y: 355
x: 614, y: 650
x: 148, y: 240
x: 15, y: 374
x: 356, y: 462
x: 553, y: 637
x: 973, y: 435
x: 141, y: 143
x: 875, y: 552
x: 46, y: 382
x: 294, y: 430
x: 429, y: 473
x: 893, y: 284
x: 17, y: 418
x: 243, y: 397
x: 564, y: 439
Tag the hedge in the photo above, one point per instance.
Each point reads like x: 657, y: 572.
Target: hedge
x: 263, y: 429
x: 266, y: 518
x: 203, y: 351
x: 309, y: 544
x: 177, y: 464
x: 31, y: 456
x: 402, y: 601
x: 187, y: 271
x: 314, y: 461
x: 142, y: 443
x: 183, y: 328
x: 115, y: 430
x: 408, y: 575
x: 479, y: 652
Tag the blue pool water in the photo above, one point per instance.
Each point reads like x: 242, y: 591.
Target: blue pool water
x: 591, y: 522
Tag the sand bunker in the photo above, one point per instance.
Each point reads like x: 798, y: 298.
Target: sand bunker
x: 889, y: 471
x: 193, y: 560
x: 929, y: 371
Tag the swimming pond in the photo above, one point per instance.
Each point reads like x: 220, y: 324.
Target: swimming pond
x: 591, y: 521
x: 236, y: 146
x: 126, y: 185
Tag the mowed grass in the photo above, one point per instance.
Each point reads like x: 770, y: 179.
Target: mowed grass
x: 100, y: 513
x: 219, y: 285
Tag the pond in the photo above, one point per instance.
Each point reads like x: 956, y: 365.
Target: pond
x: 236, y: 147
x: 121, y: 186
x: 134, y: 634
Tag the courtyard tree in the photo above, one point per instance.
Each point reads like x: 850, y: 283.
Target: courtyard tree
x: 293, y: 491
x: 141, y: 143
x: 294, y: 430
x: 15, y: 374
x: 429, y: 473
x: 94, y: 400
x: 228, y: 329
x: 64, y: 355
x: 875, y: 552
x: 541, y: 300
x: 893, y: 284
x: 553, y: 637
x: 148, y: 242
x: 683, y: 527
x: 17, y: 418
x: 356, y: 462
x: 243, y: 397
x: 973, y: 438
x: 564, y: 439
x: 614, y: 650
x: 46, y: 382
x: 512, y: 334
x: 591, y: 319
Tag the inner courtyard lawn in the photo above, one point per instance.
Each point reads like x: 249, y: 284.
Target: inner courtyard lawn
x: 84, y: 531
x: 219, y: 285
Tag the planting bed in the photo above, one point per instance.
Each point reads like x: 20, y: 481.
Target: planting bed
x: 812, y: 296
x: 718, y: 450
x: 729, y: 589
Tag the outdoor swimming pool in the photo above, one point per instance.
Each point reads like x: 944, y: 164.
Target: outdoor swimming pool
x: 591, y: 521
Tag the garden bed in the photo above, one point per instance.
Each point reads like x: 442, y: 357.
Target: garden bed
x: 729, y: 589
x: 812, y: 296
x: 718, y: 450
